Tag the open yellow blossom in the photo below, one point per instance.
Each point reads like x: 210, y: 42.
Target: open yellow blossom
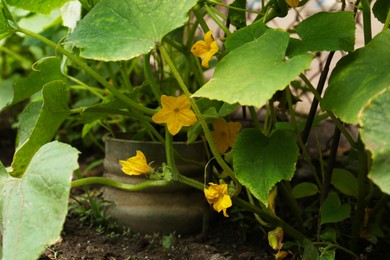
x: 217, y: 194
x: 136, y: 165
x: 205, y: 49
x: 175, y: 112
x: 224, y: 134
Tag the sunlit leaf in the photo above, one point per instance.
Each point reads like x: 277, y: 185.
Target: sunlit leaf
x: 35, y: 206
x: 375, y: 125
x: 39, y: 123
x: 5, y: 27
x: 260, y: 161
x: 326, y: 32
x: 251, y: 74
x: 121, y: 30
x: 358, y: 77
x: 38, y: 6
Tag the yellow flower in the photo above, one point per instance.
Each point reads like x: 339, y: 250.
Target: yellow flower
x: 175, y: 112
x: 224, y: 134
x: 217, y: 195
x: 205, y: 49
x: 135, y: 165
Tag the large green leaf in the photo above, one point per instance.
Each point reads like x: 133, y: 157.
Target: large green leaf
x: 358, y: 77
x: 260, y: 161
x: 123, y: 29
x: 38, y: 6
x: 375, y: 125
x: 326, y: 32
x: 5, y: 17
x: 6, y: 93
x: 251, y: 74
x: 244, y: 35
x: 35, y: 206
x: 39, y: 123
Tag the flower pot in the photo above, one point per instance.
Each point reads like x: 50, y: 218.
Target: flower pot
x: 175, y: 207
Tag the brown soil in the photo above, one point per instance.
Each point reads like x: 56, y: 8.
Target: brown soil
x: 225, y: 240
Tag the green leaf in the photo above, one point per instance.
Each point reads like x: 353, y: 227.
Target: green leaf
x: 35, y: 206
x: 310, y: 252
x: 358, y: 77
x: 38, y: 6
x: 121, y: 30
x: 260, y: 161
x: 326, y: 32
x: 237, y: 17
x: 304, y: 189
x: 375, y: 125
x: 39, y: 123
x: 5, y: 17
x: 345, y: 182
x: 251, y: 74
x: 332, y: 211
x: 380, y: 9
x: 44, y: 71
x: 245, y: 35
x: 6, y: 94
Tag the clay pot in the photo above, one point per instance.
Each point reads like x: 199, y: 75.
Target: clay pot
x: 176, y: 207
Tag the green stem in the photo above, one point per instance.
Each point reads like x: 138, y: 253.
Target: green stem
x: 90, y: 71
x: 119, y: 185
x: 211, y: 12
x: 289, y: 230
x: 255, y: 120
x: 149, y: 76
x: 232, y: 7
x: 16, y: 56
x: 93, y: 90
x: 291, y: 202
x: 366, y: 21
x: 200, y: 19
x: 202, y: 121
x: 327, y: 244
x: 125, y: 77
x: 169, y: 151
x: 361, y: 203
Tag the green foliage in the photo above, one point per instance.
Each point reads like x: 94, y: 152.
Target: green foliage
x: 95, y: 79
x: 332, y: 211
x: 304, y: 189
x: 326, y: 32
x: 255, y: 156
x: 34, y: 206
x: 37, y: 6
x: 345, y: 182
x: 39, y: 123
x: 130, y: 28
x: 227, y: 84
x: 375, y: 134
x: 357, y: 78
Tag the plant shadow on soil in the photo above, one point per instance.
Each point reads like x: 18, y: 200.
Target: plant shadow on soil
x: 225, y: 239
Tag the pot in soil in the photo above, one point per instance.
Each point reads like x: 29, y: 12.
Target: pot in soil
x: 172, y: 208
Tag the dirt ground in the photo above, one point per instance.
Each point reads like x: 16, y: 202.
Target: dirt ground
x: 225, y: 240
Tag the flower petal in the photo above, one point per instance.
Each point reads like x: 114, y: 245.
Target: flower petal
x: 200, y: 49
x: 135, y: 165
x: 208, y: 37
